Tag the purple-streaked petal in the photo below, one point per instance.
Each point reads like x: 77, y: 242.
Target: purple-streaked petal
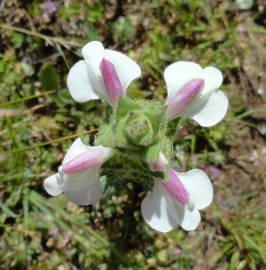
x: 127, y: 69
x: 183, y: 98
x: 179, y: 74
x: 175, y: 188
x: 213, y: 79
x: 76, y: 148
x: 92, y: 157
x: 111, y: 81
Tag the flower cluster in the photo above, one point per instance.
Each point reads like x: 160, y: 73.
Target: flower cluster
x: 136, y: 141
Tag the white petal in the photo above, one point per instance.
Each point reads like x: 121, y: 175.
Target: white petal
x: 190, y: 220
x: 198, y: 186
x: 127, y: 69
x: 87, y: 195
x: 93, y: 157
x: 83, y: 188
x: 213, y: 79
x: 52, y: 186
x: 213, y: 111
x: 79, y: 84
x: 77, y: 148
x: 180, y: 73
x: 160, y: 211
x: 81, y: 179
x: 93, y: 53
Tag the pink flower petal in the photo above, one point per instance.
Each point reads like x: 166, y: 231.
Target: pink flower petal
x: 93, y: 157
x: 184, y: 97
x: 111, y: 81
x: 175, y: 188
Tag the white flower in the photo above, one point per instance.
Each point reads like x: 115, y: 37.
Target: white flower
x: 193, y: 92
x: 177, y: 201
x: 78, y: 177
x: 103, y: 74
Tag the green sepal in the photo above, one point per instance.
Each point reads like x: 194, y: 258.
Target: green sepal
x: 175, y: 125
x: 108, y: 112
x: 120, y: 136
x: 153, y: 152
x: 161, y: 145
x: 104, y: 136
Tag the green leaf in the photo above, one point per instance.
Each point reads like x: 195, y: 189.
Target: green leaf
x: 49, y: 78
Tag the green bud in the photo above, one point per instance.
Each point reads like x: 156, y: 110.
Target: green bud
x: 137, y: 123
x: 138, y: 128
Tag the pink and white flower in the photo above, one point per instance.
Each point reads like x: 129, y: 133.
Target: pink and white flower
x: 103, y: 74
x: 193, y: 92
x: 78, y: 176
x: 177, y: 201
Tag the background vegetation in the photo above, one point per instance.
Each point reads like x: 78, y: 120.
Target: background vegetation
x: 40, y: 40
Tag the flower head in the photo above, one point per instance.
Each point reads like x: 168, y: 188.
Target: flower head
x: 138, y: 137
x: 103, y: 74
x: 78, y: 176
x: 193, y: 92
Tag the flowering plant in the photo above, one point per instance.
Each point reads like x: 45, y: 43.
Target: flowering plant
x: 136, y: 141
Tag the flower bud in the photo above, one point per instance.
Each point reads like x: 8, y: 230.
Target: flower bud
x: 113, y: 86
x: 139, y: 129
x: 184, y: 97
